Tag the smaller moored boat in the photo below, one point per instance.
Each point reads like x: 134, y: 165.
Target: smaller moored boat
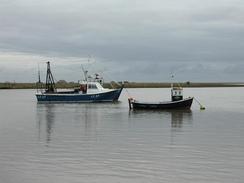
x: 90, y: 90
x: 177, y: 102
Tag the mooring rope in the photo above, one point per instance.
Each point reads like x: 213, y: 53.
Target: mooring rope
x: 201, y: 106
x: 128, y: 93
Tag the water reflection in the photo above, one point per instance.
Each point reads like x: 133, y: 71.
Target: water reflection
x: 178, y: 116
x: 49, y: 117
x: 85, y: 118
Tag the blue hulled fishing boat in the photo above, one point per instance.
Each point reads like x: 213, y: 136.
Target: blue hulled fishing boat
x: 90, y: 90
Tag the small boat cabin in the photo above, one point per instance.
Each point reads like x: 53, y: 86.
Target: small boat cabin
x: 176, y: 93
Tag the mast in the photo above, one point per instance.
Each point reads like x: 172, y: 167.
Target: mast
x: 50, y: 84
x: 39, y: 85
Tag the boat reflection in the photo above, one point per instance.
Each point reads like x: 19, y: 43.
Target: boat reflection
x: 84, y: 117
x: 48, y: 119
x: 178, y: 116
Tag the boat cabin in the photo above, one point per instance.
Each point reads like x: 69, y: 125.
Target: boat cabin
x: 176, y: 94
x: 91, y: 87
x: 98, y: 79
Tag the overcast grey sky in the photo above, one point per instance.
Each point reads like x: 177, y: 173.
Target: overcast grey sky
x: 136, y: 40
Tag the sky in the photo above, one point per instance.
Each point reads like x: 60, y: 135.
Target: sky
x: 124, y: 40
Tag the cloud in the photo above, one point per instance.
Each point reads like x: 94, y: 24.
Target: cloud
x: 24, y: 67
x: 123, y: 35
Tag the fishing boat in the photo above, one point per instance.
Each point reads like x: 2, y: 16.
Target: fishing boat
x: 90, y: 90
x: 177, y: 102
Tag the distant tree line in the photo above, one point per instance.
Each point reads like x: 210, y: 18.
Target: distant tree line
x: 126, y: 84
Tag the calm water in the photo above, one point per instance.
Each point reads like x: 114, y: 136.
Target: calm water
x: 45, y: 143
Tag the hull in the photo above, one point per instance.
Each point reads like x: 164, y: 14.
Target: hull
x: 109, y: 96
x: 181, y: 104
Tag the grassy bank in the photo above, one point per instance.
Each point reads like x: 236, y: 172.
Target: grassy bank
x: 184, y: 84
x: 9, y: 85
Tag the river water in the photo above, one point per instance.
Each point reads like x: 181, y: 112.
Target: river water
x: 43, y: 143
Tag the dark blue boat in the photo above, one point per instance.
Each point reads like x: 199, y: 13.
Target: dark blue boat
x: 180, y: 104
x: 90, y: 90
x: 177, y: 102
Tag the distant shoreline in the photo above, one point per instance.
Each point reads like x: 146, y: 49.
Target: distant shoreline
x: 9, y: 85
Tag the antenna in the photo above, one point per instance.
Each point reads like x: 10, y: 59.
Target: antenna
x: 89, y: 57
x: 84, y: 72
x: 39, y: 83
x: 39, y: 74
x: 172, y: 77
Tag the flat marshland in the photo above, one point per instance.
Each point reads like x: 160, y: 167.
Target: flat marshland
x: 64, y: 84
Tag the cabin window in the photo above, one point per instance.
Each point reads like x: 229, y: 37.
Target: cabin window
x: 92, y: 86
